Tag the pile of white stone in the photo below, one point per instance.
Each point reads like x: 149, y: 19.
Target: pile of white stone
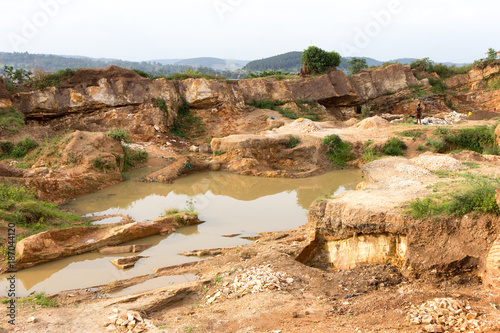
x: 251, y: 281
x: 438, y: 162
x: 302, y: 125
x: 131, y: 321
x: 444, y: 315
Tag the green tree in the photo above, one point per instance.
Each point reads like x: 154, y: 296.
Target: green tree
x: 423, y: 65
x: 17, y: 75
x: 357, y: 64
x: 491, y: 55
x: 318, y: 61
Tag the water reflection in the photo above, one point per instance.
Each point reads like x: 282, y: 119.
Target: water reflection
x: 230, y: 204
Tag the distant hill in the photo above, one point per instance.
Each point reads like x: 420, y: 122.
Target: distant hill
x: 53, y: 63
x: 215, y: 63
x: 290, y: 62
x: 287, y: 62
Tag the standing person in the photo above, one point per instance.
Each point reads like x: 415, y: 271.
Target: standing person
x: 418, y: 114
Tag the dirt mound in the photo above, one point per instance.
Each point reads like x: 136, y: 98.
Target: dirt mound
x: 372, y: 122
x: 483, y: 115
x: 90, y: 76
x: 302, y: 125
x: 351, y: 122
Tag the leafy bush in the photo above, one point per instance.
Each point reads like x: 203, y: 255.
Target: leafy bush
x: 11, y: 119
x: 6, y: 147
x: 22, y: 147
x: 101, y: 164
x: 119, y: 134
x: 475, y: 138
x: 481, y: 199
x: 338, y: 150
x: 294, y: 141
x: 186, y: 124
x: 318, y: 61
x: 394, y: 147
x: 438, y: 86
x: 133, y: 157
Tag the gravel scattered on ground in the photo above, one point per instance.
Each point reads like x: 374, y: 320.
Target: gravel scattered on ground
x: 412, y: 170
x: 253, y: 280
x: 438, y: 162
x: 444, y: 315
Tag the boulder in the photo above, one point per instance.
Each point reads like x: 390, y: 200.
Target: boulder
x: 270, y: 155
x: 128, y: 262
x: 56, y: 244
x: 369, y: 84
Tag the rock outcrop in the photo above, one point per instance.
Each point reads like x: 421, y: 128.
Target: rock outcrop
x: 474, y: 78
x: 100, y: 99
x: 367, y: 226
x: 271, y: 155
x: 5, y: 98
x: 80, y: 163
x: 56, y: 244
x: 370, y: 84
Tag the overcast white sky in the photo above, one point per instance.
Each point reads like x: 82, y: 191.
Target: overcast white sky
x: 444, y: 30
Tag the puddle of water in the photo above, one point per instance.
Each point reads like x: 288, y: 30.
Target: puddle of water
x: 159, y: 282
x: 229, y: 204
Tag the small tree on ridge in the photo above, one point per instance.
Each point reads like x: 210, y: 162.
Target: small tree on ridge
x: 317, y: 61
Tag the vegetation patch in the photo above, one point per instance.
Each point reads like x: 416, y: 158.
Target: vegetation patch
x: 17, y: 150
x: 338, y: 151
x: 19, y: 205
x: 187, y: 124
x: 119, y: 134
x: 438, y: 85
x: 394, y: 147
x: 11, y: 120
x: 411, y: 134
x: 101, y: 164
x: 162, y: 105
x: 40, y: 299
x: 480, y: 139
x: 370, y: 154
x: 219, y: 152
x: 54, y: 79
x: 293, y: 141
x: 472, y: 193
x: 266, y: 104
x: 133, y: 157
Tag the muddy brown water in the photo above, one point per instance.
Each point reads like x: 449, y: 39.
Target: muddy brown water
x: 228, y: 203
